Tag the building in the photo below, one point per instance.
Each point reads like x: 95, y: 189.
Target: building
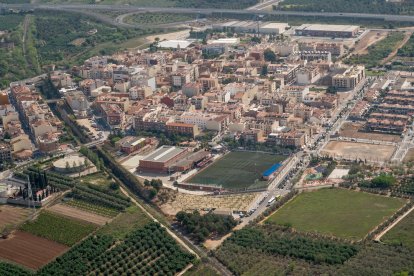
x: 350, y: 78
x: 251, y: 27
x: 5, y: 153
x: 325, y: 30
x: 130, y: 144
x: 162, y: 159
x: 287, y: 139
x: 182, y: 129
x: 78, y: 103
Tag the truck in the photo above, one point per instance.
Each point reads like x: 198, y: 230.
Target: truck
x: 271, y: 200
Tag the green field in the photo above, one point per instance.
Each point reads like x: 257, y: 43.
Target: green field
x: 238, y: 170
x: 93, y: 208
x: 402, y: 233
x: 338, y: 212
x: 122, y: 225
x: 59, y: 229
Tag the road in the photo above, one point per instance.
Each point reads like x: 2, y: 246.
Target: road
x: 129, y: 8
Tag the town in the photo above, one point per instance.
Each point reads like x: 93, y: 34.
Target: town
x: 233, y: 120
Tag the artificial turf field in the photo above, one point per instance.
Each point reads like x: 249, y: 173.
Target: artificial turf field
x: 339, y: 212
x: 238, y: 170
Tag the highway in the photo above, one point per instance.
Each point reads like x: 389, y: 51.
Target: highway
x: 85, y: 8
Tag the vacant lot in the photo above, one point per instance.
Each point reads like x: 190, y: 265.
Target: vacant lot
x: 338, y: 212
x: 370, y: 38
x: 353, y: 150
x: 57, y: 228
x: 76, y: 213
x: 28, y: 250
x: 409, y: 157
x: 402, y: 233
x: 188, y: 202
x: 12, y: 215
x: 238, y: 170
x: 355, y: 130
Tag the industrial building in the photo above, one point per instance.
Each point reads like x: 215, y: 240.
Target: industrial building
x: 325, y: 30
x: 251, y: 27
x: 162, y: 159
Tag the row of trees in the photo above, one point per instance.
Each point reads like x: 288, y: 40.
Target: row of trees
x: 201, y: 227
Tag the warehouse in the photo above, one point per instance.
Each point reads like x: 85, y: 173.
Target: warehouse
x: 324, y: 30
x: 251, y: 27
x: 162, y: 159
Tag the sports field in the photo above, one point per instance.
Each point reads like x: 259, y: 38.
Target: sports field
x: 339, y: 212
x: 238, y: 170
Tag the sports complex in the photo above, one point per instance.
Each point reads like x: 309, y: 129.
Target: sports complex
x: 240, y: 171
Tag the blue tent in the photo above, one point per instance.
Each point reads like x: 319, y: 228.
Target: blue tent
x: 272, y: 169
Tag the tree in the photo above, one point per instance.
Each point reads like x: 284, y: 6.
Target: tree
x: 383, y: 181
x: 269, y: 55
x: 264, y: 71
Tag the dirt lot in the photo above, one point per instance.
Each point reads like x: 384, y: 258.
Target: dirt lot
x: 179, y: 202
x: 352, y: 150
x: 367, y: 40
x: 78, y: 214
x: 354, y: 130
x: 409, y: 157
x: 30, y: 251
x: 12, y: 215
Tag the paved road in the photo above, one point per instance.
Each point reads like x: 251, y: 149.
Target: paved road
x: 128, y: 8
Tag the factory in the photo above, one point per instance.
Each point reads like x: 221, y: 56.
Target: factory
x: 252, y: 27
x: 325, y: 30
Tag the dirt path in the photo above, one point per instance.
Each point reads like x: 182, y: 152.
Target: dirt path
x: 401, y: 44
x: 79, y: 214
x: 379, y: 236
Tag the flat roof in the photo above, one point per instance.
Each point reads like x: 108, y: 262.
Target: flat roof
x: 163, y: 154
x: 174, y: 44
x: 327, y: 27
x: 274, y: 25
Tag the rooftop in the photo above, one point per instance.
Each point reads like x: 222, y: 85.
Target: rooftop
x: 164, y: 153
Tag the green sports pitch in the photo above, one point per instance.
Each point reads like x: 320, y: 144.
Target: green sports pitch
x: 238, y: 170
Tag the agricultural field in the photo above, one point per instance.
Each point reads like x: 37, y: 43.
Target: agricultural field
x: 122, y: 225
x: 146, y: 251
x: 29, y: 250
x: 92, y: 208
x: 337, y: 212
x: 188, y: 202
x: 159, y: 18
x: 12, y: 215
x: 12, y: 269
x: 368, y: 259
x: 362, y: 151
x: 75, y: 213
x: 402, y: 233
x: 238, y: 170
x: 59, y: 229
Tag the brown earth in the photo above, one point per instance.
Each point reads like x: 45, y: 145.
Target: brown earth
x: 29, y: 250
x: 409, y: 157
x: 352, y: 150
x: 79, y: 214
x: 12, y: 215
x: 369, y: 39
